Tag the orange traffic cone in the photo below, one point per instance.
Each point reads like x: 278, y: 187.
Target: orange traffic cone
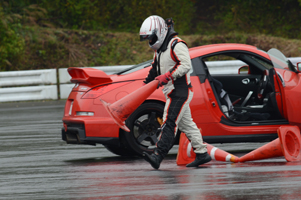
x: 220, y: 155
x: 288, y: 145
x: 187, y: 155
x: 124, y: 107
x: 185, y: 152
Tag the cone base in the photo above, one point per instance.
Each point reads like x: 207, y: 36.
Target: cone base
x: 120, y: 123
x: 288, y: 144
x: 290, y: 140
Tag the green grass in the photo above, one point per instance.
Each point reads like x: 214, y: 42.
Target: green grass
x: 58, y: 48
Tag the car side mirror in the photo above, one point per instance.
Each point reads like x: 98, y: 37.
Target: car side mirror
x: 246, y: 69
x: 299, y: 67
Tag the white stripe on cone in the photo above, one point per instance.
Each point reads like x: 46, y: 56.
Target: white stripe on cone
x: 212, y: 153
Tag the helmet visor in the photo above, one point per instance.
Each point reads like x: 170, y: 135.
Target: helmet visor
x: 147, y: 37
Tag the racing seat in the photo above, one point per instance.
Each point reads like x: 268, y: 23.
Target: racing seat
x: 226, y: 104
x: 228, y: 108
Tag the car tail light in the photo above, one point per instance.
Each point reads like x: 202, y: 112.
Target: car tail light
x: 84, y: 113
x: 70, y: 108
x: 97, y: 91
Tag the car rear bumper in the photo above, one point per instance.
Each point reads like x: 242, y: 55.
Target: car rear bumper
x: 76, y: 135
x: 86, y: 130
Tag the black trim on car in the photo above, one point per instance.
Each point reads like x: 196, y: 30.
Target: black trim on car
x: 240, y: 138
x: 199, y: 69
x: 253, y: 123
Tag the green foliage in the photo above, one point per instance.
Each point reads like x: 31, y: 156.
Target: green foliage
x: 117, y: 15
x: 11, y: 43
x: 91, y: 48
x: 281, y: 18
x: 36, y: 34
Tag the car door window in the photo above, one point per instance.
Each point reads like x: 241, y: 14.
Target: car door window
x: 224, y: 67
x: 223, y: 64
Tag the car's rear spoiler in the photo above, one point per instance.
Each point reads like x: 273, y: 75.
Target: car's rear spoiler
x: 89, y: 76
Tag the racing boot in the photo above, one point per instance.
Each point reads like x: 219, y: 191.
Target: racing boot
x: 154, y: 159
x: 200, y: 159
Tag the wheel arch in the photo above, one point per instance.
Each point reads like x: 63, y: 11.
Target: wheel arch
x: 146, y: 101
x: 128, y: 140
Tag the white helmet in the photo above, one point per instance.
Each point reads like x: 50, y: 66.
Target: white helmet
x: 154, y: 29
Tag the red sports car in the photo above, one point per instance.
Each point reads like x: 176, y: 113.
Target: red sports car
x: 263, y: 94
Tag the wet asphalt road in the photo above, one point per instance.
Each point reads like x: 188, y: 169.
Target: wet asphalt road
x: 36, y: 164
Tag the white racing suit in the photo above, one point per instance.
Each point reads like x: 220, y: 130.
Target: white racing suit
x: 178, y: 93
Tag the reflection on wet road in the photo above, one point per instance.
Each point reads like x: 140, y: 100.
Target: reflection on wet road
x: 37, y: 164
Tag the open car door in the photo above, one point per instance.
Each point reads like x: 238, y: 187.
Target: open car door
x: 287, y: 87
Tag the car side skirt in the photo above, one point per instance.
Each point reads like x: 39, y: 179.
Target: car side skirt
x: 240, y: 138
x: 253, y: 123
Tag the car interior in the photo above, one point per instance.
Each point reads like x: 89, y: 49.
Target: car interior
x: 248, y: 96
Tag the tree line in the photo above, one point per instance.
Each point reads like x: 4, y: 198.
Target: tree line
x: 18, y: 18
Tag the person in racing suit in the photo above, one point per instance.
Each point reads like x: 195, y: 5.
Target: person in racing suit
x: 171, y: 66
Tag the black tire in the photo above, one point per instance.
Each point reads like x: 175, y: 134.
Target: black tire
x: 119, y: 150
x: 143, y: 124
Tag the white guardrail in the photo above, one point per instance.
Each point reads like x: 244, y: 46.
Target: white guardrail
x: 52, y: 84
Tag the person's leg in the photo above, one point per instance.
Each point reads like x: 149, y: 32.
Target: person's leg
x: 172, y: 114
x: 188, y: 126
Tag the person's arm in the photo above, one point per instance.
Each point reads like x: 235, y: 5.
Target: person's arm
x: 152, y: 72
x: 181, y: 56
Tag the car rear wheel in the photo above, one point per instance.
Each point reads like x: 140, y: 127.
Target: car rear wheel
x: 143, y: 124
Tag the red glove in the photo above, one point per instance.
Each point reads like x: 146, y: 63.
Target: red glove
x: 164, y: 78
